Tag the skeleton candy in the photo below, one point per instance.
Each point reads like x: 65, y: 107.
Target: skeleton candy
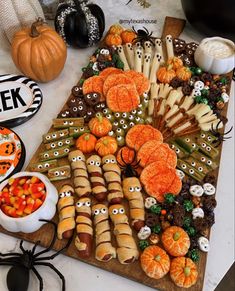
x: 81, y: 180
x: 112, y: 175
x: 169, y: 46
x: 127, y: 251
x: 209, y: 189
x: 204, y: 244
x: 153, y: 95
x: 158, y: 47
x: 130, y: 55
x: 144, y: 232
x: 66, y: 209
x: 83, y: 240
x: 132, y: 192
x: 147, y: 63
x: 138, y: 60
x: 96, y: 177
x: 148, y: 47
x: 196, y: 190
x: 197, y: 213
x: 104, y: 250
x: 122, y: 56
x: 156, y: 62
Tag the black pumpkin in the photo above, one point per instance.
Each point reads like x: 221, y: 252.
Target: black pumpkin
x: 79, y: 23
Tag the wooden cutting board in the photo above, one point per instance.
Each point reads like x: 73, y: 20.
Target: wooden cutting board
x: 133, y: 271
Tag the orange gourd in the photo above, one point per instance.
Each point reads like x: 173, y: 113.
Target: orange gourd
x: 116, y: 29
x: 128, y: 36
x: 113, y: 39
x: 166, y: 74
x: 86, y: 143
x: 175, y: 62
x: 155, y: 262
x: 39, y: 52
x: 99, y: 125
x: 106, y: 145
x: 183, y: 73
x: 183, y: 272
x: 176, y: 241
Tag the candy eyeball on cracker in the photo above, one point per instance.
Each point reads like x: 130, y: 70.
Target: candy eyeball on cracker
x: 150, y: 201
x: 209, y: 189
x: 196, y: 190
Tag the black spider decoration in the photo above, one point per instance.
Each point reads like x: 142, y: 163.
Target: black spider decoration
x: 143, y: 35
x: 129, y: 169
x: 220, y: 136
x: 22, y: 263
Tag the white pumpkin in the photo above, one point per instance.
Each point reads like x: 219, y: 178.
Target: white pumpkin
x: 15, y: 14
x: 31, y: 223
x: 215, y: 55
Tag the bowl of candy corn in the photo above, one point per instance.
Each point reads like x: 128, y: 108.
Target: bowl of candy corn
x: 25, y: 198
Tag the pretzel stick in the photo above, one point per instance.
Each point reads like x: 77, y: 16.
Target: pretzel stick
x: 155, y: 66
x: 147, y: 63
x: 153, y: 95
x: 130, y: 55
x: 169, y: 46
x: 122, y: 56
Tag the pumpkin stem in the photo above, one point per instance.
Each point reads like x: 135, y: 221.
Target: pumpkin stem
x: 169, y: 67
x: 99, y: 117
x: 157, y: 258
x: 187, y: 271
x: 87, y: 137
x: 34, y: 32
x: 176, y: 236
x: 105, y: 142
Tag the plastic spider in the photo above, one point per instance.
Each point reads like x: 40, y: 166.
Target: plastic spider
x: 220, y: 136
x: 143, y: 35
x: 22, y: 263
x: 129, y: 169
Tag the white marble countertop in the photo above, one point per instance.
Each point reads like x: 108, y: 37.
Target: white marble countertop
x: 80, y: 276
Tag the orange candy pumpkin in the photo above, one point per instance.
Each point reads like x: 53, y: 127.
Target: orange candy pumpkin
x: 86, y: 143
x: 106, y: 145
x: 99, y: 125
x: 166, y: 74
x: 184, y: 73
x: 176, y: 241
x: 175, y: 62
x: 155, y: 262
x: 128, y: 36
x: 116, y: 29
x: 183, y: 272
x: 122, y: 98
x: 94, y: 84
x: 113, y: 39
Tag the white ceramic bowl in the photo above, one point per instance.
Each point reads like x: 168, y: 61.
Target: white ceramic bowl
x: 31, y: 223
x: 215, y: 55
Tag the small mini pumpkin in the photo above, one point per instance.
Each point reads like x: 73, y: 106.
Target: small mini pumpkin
x: 86, y: 143
x: 175, y: 62
x: 116, y: 29
x: 39, y: 52
x: 125, y: 156
x: 113, y: 39
x: 128, y: 36
x: 99, y: 125
x: 183, y: 73
x: 106, y: 145
x: 183, y: 272
x: 176, y: 241
x: 166, y: 74
x: 155, y: 262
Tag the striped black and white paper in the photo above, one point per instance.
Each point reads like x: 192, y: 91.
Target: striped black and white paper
x: 34, y: 107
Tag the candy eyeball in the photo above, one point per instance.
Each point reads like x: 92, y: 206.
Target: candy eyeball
x: 103, y: 210
x: 137, y: 189
x: 121, y: 210
x: 199, y: 85
x: 115, y: 211
x: 96, y: 212
x: 150, y: 201
x: 87, y: 203
x: 144, y: 232
x: 196, y: 190
x: 209, y: 189
x: 79, y: 204
x: 62, y: 195
x: 196, y: 93
x: 204, y: 244
x: 180, y: 174
x: 131, y: 189
x: 197, y: 213
x: 225, y: 97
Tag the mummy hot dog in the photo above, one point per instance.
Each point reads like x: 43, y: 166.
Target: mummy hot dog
x: 169, y: 46
x: 127, y: 251
x: 122, y: 56
x: 157, y: 59
x: 66, y: 209
x: 130, y: 55
x: 96, y: 177
x: 104, y: 250
x: 81, y: 180
x: 83, y: 240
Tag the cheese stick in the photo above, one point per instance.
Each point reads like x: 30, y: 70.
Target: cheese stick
x: 138, y: 60
x: 148, y: 47
x: 122, y: 56
x: 169, y: 46
x: 158, y: 47
x: 155, y: 66
x: 147, y: 64
x: 130, y: 55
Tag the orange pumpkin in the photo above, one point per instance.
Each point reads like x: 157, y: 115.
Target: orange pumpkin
x: 175, y: 62
x: 106, y: 145
x: 128, y: 36
x: 183, y: 73
x: 183, y: 272
x: 39, y: 52
x: 155, y: 262
x: 86, y: 143
x: 116, y: 29
x: 166, y: 74
x: 176, y: 241
x: 99, y: 125
x: 113, y: 39
x: 126, y: 155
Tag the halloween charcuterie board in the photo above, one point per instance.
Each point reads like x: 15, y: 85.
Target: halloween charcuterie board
x: 161, y: 227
